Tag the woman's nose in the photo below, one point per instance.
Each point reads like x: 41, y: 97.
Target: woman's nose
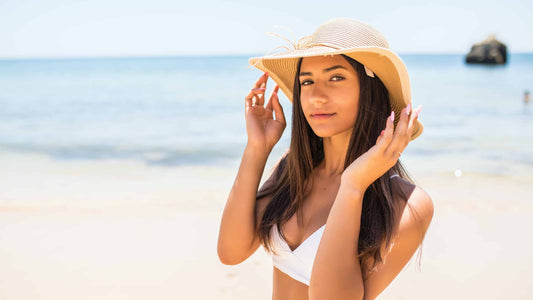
x: 318, y: 94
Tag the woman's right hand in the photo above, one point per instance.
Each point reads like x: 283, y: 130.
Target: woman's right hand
x: 263, y: 131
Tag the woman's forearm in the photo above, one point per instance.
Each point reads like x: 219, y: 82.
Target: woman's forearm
x: 237, y: 227
x: 336, y: 271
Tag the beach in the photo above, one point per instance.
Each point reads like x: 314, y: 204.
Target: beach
x: 123, y: 125
x: 115, y: 229
x: 115, y: 171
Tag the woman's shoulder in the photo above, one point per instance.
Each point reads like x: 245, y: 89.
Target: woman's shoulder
x: 402, y: 187
x: 415, y: 197
x: 406, y: 187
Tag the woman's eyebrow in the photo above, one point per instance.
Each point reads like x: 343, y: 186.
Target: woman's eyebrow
x: 325, y: 70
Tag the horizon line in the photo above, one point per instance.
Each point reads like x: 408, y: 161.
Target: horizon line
x: 148, y: 56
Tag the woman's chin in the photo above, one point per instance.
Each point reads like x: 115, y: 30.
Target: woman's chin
x: 327, y: 133
x: 324, y: 133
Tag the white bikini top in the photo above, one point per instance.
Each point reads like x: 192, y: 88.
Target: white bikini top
x: 298, y: 263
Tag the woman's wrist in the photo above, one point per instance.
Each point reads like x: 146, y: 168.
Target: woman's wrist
x: 353, y: 186
x: 257, y: 151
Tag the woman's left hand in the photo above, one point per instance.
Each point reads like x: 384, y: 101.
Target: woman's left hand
x: 368, y: 167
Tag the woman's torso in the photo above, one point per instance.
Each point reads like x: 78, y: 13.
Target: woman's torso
x: 316, y: 207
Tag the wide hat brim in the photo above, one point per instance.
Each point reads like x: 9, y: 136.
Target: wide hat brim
x: 388, y: 66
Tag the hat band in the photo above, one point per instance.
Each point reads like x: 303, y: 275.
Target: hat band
x: 305, y: 43
x: 368, y: 72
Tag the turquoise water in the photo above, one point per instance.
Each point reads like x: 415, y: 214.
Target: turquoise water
x: 189, y: 110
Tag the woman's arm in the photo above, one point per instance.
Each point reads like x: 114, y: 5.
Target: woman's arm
x: 337, y: 272
x: 413, y: 224
x: 236, y: 239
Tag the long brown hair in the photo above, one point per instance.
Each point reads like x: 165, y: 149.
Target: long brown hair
x: 306, y: 151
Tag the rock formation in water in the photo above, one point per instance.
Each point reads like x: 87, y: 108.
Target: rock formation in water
x: 490, y: 51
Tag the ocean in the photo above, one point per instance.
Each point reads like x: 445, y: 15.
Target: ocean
x: 171, y: 111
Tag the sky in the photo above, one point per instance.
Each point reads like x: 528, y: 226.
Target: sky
x: 116, y: 28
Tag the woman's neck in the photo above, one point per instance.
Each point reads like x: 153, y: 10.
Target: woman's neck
x: 335, y: 148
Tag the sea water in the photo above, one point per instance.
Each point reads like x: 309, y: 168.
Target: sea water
x: 171, y: 111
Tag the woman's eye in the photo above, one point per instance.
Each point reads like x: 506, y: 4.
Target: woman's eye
x: 334, y: 78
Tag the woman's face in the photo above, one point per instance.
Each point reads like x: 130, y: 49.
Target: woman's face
x: 329, y: 94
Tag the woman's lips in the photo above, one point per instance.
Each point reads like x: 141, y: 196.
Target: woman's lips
x: 322, y: 116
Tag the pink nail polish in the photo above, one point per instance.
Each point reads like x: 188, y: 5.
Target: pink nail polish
x: 392, y: 116
x: 408, y: 109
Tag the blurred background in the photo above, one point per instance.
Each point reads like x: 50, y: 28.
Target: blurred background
x: 122, y: 128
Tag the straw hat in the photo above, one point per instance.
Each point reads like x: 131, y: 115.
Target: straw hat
x: 352, y: 38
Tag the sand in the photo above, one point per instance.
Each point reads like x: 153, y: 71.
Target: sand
x: 123, y: 230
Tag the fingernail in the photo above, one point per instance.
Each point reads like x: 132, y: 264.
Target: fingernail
x: 392, y: 116
x: 382, y: 132
x: 419, y: 109
x: 408, y: 109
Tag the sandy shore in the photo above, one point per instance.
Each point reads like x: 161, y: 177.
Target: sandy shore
x: 123, y: 230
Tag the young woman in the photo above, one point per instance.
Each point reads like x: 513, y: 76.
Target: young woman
x: 339, y: 214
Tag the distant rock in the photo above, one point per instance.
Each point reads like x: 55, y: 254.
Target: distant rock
x: 490, y: 51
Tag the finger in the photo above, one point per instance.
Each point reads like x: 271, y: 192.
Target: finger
x: 401, y: 138
x: 270, y: 99
x: 254, y: 92
x: 251, y: 98
x: 278, y: 109
x: 257, y: 89
x: 261, y: 96
x: 412, y: 120
x: 260, y: 83
x: 387, y: 133
x: 248, y: 102
x: 261, y: 79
